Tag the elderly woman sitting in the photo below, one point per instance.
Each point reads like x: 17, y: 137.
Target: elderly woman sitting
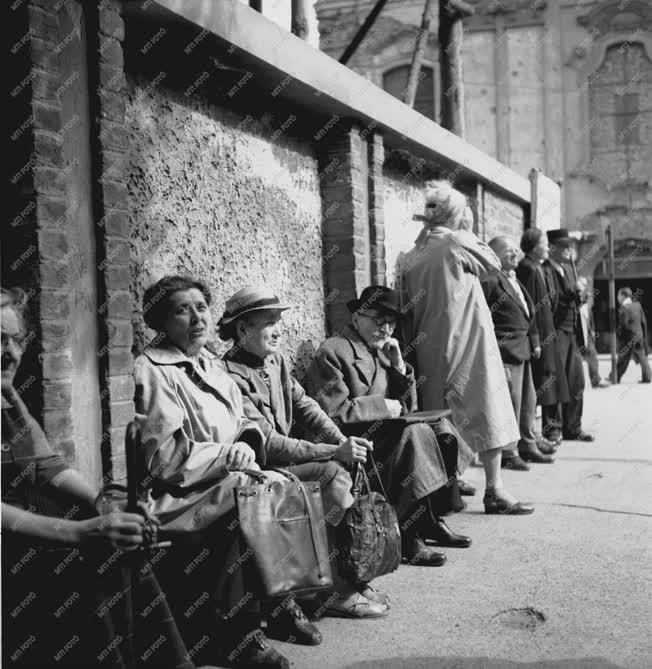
x: 279, y: 405
x: 62, y: 576
x: 197, y: 442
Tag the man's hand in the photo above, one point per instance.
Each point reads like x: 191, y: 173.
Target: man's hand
x: 394, y: 407
x: 124, y: 530
x: 537, y: 352
x: 392, y: 350
x: 353, y: 449
x: 240, y: 456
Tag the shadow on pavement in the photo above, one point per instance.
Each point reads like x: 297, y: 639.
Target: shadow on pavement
x: 480, y: 663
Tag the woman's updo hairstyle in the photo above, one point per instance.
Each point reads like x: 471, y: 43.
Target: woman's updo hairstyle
x: 530, y: 239
x: 444, y: 205
x: 156, y: 300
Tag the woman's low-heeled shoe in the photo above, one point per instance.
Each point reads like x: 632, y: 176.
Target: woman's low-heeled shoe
x: 358, y: 607
x: 465, y: 488
x: 374, y: 595
x: 496, y: 505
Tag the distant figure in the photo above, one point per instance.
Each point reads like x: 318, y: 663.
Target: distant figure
x: 587, y: 326
x: 632, y: 335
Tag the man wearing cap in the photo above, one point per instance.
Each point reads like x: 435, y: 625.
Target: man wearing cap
x: 360, y: 379
x: 565, y: 296
x: 632, y: 335
x: 274, y: 400
x: 512, y: 312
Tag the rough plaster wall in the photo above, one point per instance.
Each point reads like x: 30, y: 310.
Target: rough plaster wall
x: 525, y: 76
x: 403, y: 199
x: 502, y: 217
x: 480, y: 90
x: 214, y: 197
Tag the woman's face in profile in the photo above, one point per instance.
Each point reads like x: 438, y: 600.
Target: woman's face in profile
x: 13, y: 338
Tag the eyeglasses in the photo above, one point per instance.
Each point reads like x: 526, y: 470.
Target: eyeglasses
x: 381, y: 319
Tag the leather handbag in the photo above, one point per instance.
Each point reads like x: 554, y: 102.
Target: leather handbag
x: 282, y: 523
x: 369, y: 538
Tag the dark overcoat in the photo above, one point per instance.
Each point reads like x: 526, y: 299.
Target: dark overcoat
x: 549, y: 377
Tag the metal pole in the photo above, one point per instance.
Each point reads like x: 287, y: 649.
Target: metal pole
x: 612, y: 305
x: 364, y: 29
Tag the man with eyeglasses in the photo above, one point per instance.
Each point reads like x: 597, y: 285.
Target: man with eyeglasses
x: 362, y: 382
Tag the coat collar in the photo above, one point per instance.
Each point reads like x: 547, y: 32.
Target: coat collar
x: 358, y: 345
x: 171, y: 355
x: 364, y: 360
x: 237, y: 362
x: 509, y: 289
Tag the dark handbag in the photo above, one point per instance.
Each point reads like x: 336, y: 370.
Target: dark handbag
x: 369, y: 539
x: 282, y: 523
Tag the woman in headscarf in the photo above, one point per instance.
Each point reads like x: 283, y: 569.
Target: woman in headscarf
x: 450, y: 330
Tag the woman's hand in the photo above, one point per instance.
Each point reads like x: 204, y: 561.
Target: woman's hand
x: 353, y: 449
x: 124, y: 530
x: 240, y: 456
x: 394, y: 407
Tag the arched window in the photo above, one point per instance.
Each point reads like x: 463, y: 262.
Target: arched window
x: 395, y: 83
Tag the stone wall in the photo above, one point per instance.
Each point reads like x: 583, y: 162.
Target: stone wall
x: 501, y: 217
x: 212, y: 195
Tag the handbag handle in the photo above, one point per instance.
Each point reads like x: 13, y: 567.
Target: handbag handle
x: 261, y: 478
x: 361, y: 474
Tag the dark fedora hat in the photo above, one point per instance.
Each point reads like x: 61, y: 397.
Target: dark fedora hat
x: 381, y: 298
x: 559, y: 237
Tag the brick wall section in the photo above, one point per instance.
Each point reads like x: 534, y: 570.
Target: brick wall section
x: 343, y: 192
x: 110, y: 202
x: 377, y: 210
x: 44, y: 192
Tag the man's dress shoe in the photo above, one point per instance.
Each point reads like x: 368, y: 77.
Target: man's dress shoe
x: 546, y: 447
x: 465, y: 488
x: 255, y: 651
x: 440, y: 532
x: 580, y: 436
x: 417, y: 553
x: 496, y: 505
x: 290, y: 623
x: 514, y: 462
x: 536, y: 456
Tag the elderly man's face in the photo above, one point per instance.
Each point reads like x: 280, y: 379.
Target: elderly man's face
x: 374, y: 327
x: 508, y: 254
x: 13, y: 338
x: 189, y: 322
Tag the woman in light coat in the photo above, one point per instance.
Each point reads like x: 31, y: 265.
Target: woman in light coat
x: 197, y: 444
x: 450, y: 329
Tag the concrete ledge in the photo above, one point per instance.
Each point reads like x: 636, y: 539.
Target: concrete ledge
x: 312, y: 78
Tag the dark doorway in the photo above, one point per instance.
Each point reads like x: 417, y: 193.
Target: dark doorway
x: 642, y: 289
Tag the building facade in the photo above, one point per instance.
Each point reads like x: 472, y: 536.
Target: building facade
x: 564, y: 86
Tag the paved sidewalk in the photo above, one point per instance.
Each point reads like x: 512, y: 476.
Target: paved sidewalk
x: 582, y: 560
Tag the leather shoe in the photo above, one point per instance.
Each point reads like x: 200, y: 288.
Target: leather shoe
x: 444, y: 536
x: 602, y: 383
x: 465, y: 488
x: 580, y: 436
x: 536, y: 456
x: 416, y: 552
x: 254, y: 651
x: 514, y: 462
x: 289, y: 623
x: 546, y: 447
x: 495, y: 505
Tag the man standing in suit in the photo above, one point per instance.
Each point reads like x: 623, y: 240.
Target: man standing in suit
x: 564, y: 289
x: 512, y: 312
x: 588, y: 351
x: 547, y: 371
x: 632, y: 335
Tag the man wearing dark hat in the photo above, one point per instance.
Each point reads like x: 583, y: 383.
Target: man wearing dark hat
x: 360, y: 379
x: 547, y: 372
x: 565, y: 296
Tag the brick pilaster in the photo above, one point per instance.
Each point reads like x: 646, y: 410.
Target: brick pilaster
x: 110, y: 205
x: 377, y: 210
x: 40, y: 237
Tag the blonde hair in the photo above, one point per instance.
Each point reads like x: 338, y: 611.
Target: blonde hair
x: 449, y: 204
